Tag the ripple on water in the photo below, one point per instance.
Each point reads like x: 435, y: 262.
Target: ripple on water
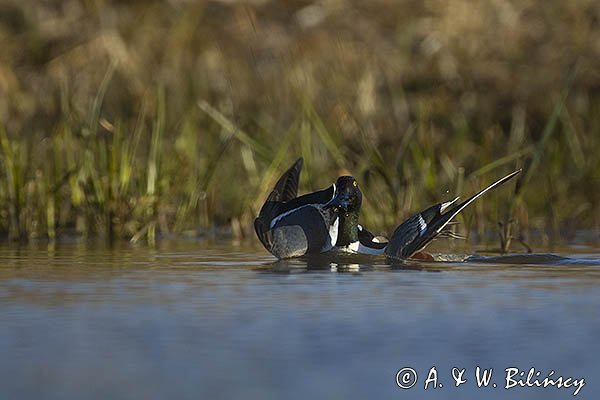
x: 185, y: 321
x: 533, y: 259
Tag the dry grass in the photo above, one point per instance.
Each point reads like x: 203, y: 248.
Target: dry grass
x: 137, y: 118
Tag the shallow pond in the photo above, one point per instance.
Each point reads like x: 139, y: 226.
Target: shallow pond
x: 190, y: 320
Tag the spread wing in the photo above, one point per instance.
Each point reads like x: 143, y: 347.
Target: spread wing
x: 286, y: 187
x: 416, y: 232
x: 283, y: 199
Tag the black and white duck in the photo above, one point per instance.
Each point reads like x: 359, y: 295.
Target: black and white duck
x: 327, y: 221
x: 290, y: 226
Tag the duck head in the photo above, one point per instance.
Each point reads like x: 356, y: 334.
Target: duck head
x: 347, y: 197
x: 346, y: 200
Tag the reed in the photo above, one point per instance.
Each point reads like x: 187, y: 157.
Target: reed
x: 182, y: 122
x: 13, y: 196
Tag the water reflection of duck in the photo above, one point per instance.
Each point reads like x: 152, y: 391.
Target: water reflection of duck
x: 327, y: 221
x: 345, y: 263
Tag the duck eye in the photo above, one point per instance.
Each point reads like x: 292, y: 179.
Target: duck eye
x: 354, y: 184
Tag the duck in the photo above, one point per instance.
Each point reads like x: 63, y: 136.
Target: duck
x: 414, y: 234
x: 328, y: 221
x: 289, y: 225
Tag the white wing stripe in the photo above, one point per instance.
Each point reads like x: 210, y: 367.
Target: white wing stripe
x: 276, y: 219
x: 422, y: 225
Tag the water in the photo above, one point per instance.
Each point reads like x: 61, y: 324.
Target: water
x: 191, y: 321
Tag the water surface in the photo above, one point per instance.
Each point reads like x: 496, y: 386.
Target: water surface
x: 192, y: 320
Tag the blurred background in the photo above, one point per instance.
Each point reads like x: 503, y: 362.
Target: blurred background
x: 143, y: 119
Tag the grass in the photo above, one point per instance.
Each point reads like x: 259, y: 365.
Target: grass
x: 134, y: 121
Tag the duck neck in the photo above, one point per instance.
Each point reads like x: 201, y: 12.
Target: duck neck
x: 348, y: 229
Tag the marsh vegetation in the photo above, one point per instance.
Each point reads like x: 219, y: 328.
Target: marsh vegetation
x: 130, y: 120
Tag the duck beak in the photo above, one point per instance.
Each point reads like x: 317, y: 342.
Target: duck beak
x: 339, y: 201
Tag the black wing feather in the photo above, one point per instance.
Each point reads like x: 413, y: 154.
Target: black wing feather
x: 264, y: 233
x: 284, y: 198
x: 366, y: 239
x: 416, y: 232
x: 406, y: 238
x: 318, y: 197
x: 286, y: 187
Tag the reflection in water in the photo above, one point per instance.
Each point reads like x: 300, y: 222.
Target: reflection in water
x: 190, y: 321
x: 528, y: 259
x: 346, y: 263
x: 359, y: 262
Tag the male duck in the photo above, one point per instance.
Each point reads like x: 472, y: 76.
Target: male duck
x: 290, y: 226
x: 327, y: 220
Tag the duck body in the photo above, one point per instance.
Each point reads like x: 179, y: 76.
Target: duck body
x: 309, y: 229
x: 290, y: 226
